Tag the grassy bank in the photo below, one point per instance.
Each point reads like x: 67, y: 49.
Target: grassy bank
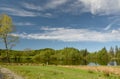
x: 57, y: 72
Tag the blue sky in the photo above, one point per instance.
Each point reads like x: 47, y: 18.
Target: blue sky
x: 90, y: 24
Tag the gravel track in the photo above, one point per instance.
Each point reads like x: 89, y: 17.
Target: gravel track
x: 9, y: 74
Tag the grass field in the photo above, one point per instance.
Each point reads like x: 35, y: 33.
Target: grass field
x: 57, y: 72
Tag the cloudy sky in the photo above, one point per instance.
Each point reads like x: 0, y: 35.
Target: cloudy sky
x: 90, y: 24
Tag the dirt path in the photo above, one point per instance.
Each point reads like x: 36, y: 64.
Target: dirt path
x: 9, y: 74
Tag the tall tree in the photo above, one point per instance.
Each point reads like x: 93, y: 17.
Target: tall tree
x: 103, y: 56
x: 116, y: 51
x: 6, y: 28
x: 111, y: 51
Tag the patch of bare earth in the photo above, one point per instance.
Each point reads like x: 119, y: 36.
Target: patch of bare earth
x: 9, y: 74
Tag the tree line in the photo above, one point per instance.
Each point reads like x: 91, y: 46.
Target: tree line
x: 66, y: 55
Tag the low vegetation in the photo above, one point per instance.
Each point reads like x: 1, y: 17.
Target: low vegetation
x: 59, y: 72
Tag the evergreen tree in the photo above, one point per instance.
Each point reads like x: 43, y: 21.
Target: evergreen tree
x: 111, y: 51
x: 116, y: 51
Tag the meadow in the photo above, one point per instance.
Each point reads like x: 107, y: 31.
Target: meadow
x: 59, y: 72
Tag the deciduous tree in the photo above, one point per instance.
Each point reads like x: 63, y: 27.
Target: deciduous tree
x: 6, y: 28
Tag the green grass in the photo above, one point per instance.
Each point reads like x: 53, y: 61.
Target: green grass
x: 56, y: 72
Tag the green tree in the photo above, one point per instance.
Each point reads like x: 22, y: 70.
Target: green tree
x: 103, y: 56
x: 44, y: 56
x: 6, y: 28
x: 84, y: 53
x: 70, y: 54
x: 117, y: 52
x: 111, y: 51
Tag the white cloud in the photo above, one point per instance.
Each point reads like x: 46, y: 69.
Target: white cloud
x: 24, y: 23
x: 47, y: 15
x: 18, y: 12
x: 108, y: 26
x: 55, y: 3
x: 46, y: 28
x: 102, y: 7
x: 73, y: 35
x: 32, y: 6
x: 23, y: 13
x: 50, y: 4
x: 111, y: 24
